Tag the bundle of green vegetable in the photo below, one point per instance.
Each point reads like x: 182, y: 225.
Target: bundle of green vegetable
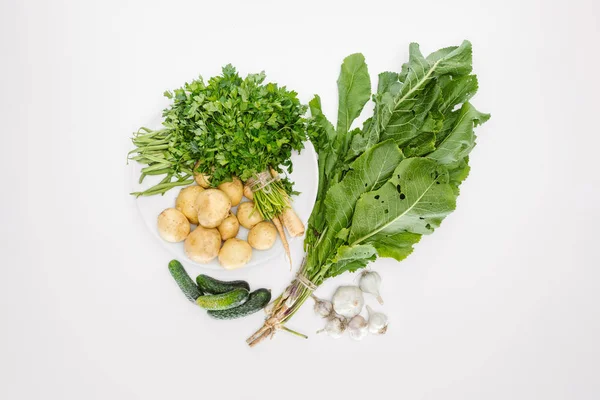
x: 383, y: 186
x: 227, y: 127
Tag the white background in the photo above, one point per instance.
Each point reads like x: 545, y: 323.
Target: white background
x: 502, y: 302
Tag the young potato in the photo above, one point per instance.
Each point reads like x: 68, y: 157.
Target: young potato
x: 202, y: 245
x: 262, y: 236
x: 229, y: 228
x: 173, y: 226
x: 213, y: 206
x: 186, y: 202
x: 201, y: 179
x: 248, y: 215
x: 235, y: 253
x: 233, y: 189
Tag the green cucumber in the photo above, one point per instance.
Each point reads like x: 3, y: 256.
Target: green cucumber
x: 215, y: 286
x: 185, y: 283
x: 223, y: 301
x: 256, y: 302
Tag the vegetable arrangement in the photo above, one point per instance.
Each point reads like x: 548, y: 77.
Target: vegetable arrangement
x: 381, y: 186
x: 384, y: 185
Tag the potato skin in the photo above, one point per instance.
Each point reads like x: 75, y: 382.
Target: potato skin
x: 247, y: 215
x: 202, y: 245
x: 235, y: 253
x: 202, y: 180
x: 173, y: 226
x: 213, y: 206
x: 229, y: 228
x: 262, y: 236
x: 233, y: 189
x: 186, y: 202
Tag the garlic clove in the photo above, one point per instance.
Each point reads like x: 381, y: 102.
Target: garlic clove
x: 358, y: 327
x: 378, y: 322
x: 334, y: 327
x: 370, y: 282
x: 322, y: 308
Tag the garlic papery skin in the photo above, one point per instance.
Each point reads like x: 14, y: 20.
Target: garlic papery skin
x: 358, y: 328
x: 334, y: 327
x: 323, y: 308
x: 370, y: 282
x: 378, y: 322
x: 348, y: 301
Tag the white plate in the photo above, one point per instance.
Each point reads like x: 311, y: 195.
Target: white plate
x: 305, y: 176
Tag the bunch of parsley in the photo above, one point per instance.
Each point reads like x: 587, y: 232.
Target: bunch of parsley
x: 228, y: 126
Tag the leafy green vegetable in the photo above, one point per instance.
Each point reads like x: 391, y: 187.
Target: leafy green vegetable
x: 385, y: 185
x: 231, y: 126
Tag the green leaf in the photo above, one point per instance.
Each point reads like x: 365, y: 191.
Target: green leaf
x: 398, y: 246
x: 350, y: 253
x: 347, y: 266
x: 415, y: 199
x: 457, y: 91
x: 366, y: 173
x: 387, y: 87
x: 354, y: 89
x: 403, y: 107
x: 461, y: 140
x: 351, y: 258
x: 321, y: 122
x: 420, y: 145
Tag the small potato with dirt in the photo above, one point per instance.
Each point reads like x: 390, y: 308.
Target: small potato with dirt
x: 202, y: 245
x: 262, y: 236
x: 186, y: 202
x: 235, y: 253
x: 173, y: 226
x: 213, y: 207
x: 248, y: 215
x: 229, y: 228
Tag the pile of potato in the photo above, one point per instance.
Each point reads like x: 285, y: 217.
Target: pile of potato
x: 217, y: 226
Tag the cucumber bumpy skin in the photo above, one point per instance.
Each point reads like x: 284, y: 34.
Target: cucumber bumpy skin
x: 185, y: 283
x: 256, y: 302
x: 223, y: 301
x: 215, y: 286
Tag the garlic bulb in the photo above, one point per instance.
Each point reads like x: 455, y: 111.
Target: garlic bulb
x: 334, y: 327
x: 348, y: 301
x: 358, y: 327
x: 323, y: 308
x: 370, y: 281
x: 378, y: 322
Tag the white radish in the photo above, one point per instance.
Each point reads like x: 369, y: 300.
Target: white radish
x: 370, y: 281
x: 378, y: 322
x: 348, y: 301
